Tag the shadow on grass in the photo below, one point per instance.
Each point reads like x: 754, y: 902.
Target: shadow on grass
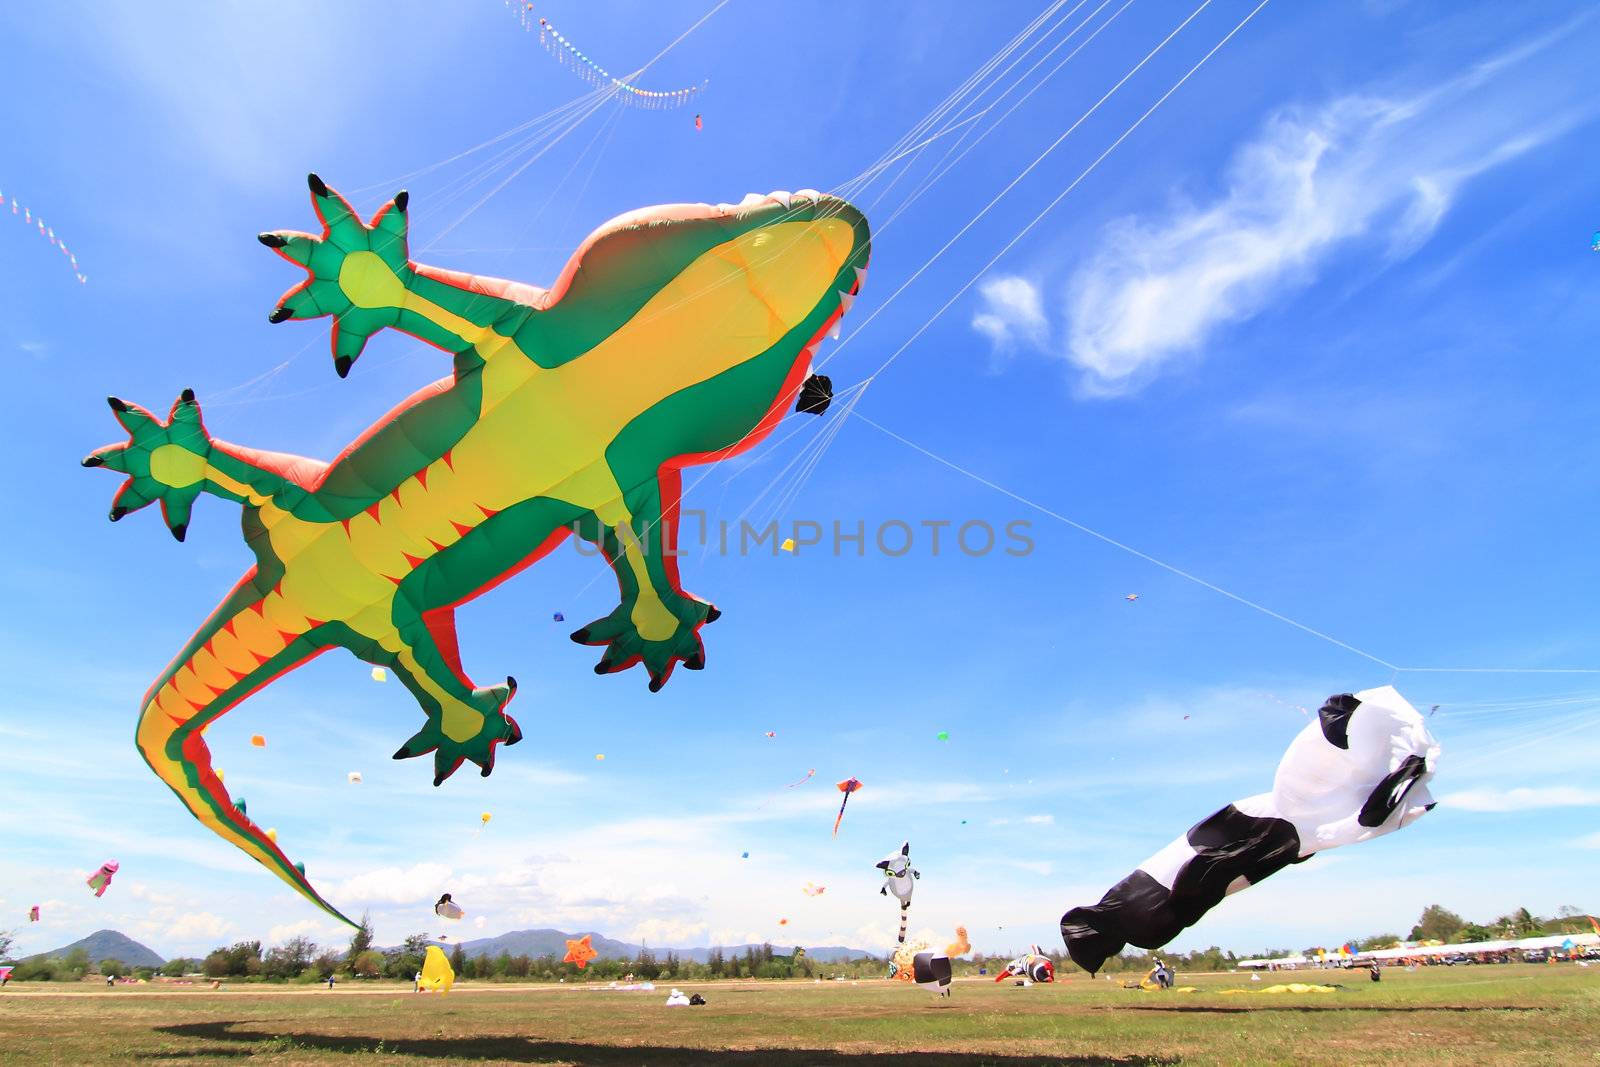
x: 530, y: 1050
x: 1317, y: 1009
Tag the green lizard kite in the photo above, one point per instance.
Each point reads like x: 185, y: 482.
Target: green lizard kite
x: 674, y: 336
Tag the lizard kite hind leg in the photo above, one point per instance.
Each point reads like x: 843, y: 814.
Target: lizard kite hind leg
x: 657, y: 623
x: 465, y: 722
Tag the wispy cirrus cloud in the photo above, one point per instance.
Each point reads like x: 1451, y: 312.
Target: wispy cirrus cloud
x: 1012, y: 314
x: 1361, y: 167
x: 1523, y: 798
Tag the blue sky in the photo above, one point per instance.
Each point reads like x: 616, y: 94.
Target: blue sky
x: 1320, y: 331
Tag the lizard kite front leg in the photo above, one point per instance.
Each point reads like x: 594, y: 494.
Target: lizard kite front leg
x: 362, y: 275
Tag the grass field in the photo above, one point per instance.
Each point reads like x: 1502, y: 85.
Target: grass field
x: 1468, y: 1015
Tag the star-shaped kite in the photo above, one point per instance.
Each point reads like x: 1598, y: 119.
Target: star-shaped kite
x: 580, y: 952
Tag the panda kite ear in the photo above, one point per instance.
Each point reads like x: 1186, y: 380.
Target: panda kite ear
x: 905, y: 849
x: 883, y: 865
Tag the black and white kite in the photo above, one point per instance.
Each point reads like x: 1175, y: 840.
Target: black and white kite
x: 1360, y: 771
x: 931, y: 970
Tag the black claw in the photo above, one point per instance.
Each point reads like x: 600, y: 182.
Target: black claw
x: 118, y: 512
x: 180, y: 530
x: 341, y: 366
x: 580, y: 636
x: 187, y: 396
x: 656, y: 684
x: 438, y: 779
x: 278, y: 315
x: 713, y: 613
x: 272, y: 240
x: 117, y: 405
x: 401, y: 199
x: 320, y: 188
x: 511, y: 684
x: 600, y: 668
x: 696, y: 662
x: 93, y: 461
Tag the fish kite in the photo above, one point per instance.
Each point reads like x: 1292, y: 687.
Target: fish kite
x: 675, y: 336
x: 447, y: 908
x: 258, y: 741
x: 437, y: 974
x: 699, y: 124
x: 100, y: 880
x: 772, y: 733
x: 1360, y: 771
x: 1131, y: 597
x: 580, y: 951
x: 812, y: 890
x: 354, y: 777
x: 848, y: 786
x: 33, y: 914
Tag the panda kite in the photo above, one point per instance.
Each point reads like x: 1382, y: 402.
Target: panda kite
x: 1360, y: 771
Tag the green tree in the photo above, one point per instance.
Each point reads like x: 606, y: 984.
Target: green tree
x: 406, y: 961
x: 290, y: 959
x: 113, y: 968
x: 7, y: 938
x: 458, y: 960
x: 1473, y: 932
x: 1437, y: 923
x: 367, y: 965
x: 361, y: 940
x: 177, y: 968
x: 1367, y: 944
x: 74, y: 967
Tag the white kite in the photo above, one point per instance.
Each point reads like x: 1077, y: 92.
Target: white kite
x: 1360, y: 771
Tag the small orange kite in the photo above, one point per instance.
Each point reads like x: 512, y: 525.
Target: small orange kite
x: 580, y: 952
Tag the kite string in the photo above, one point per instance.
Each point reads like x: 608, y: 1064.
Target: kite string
x: 1114, y: 543
x: 1196, y: 579
x: 1010, y: 186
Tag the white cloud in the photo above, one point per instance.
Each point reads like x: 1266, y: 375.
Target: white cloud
x: 198, y: 925
x: 1013, y: 313
x: 1360, y: 167
x: 319, y: 930
x: 668, y: 933
x: 1523, y: 798
x: 393, y: 885
x: 1039, y: 820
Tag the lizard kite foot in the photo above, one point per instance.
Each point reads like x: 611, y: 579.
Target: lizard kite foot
x: 358, y: 272
x: 466, y: 730
x: 164, y: 461
x: 625, y: 646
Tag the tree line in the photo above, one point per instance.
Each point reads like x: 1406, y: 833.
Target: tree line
x: 300, y: 959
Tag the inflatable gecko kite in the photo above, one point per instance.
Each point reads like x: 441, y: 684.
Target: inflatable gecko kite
x: 675, y: 336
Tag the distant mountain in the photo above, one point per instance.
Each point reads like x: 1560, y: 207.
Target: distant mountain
x: 554, y: 943
x: 107, y: 945
x: 546, y: 943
